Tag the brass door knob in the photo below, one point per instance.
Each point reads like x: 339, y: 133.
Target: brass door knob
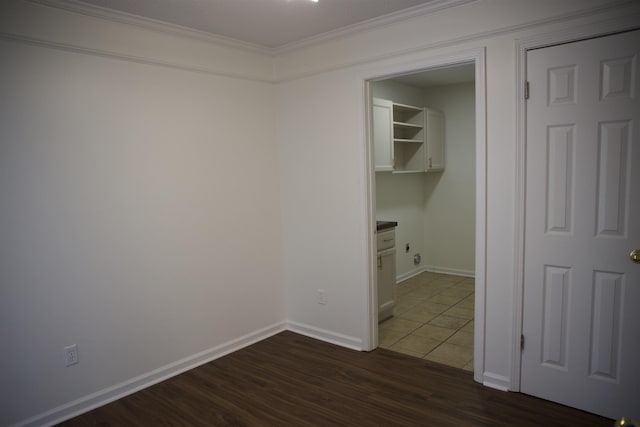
x: 635, y: 256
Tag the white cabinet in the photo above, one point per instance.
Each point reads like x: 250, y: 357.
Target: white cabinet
x: 382, y: 134
x: 386, y: 274
x: 435, y: 140
x: 406, y: 138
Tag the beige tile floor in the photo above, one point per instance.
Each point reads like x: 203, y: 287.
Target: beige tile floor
x: 433, y: 319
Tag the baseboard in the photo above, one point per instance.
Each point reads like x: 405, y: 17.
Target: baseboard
x: 102, y: 397
x: 448, y: 270
x: 325, y: 335
x: 496, y: 381
x: 409, y: 274
x: 434, y: 269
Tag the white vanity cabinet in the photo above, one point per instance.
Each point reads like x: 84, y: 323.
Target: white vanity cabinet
x: 407, y: 139
x: 386, y: 273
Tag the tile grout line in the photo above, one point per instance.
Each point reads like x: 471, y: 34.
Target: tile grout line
x: 444, y: 286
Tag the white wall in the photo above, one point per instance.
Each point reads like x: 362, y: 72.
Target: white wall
x: 140, y: 220
x: 449, y: 209
x: 322, y: 150
x: 322, y: 219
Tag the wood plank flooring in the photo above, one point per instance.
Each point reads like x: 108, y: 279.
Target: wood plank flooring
x: 292, y: 380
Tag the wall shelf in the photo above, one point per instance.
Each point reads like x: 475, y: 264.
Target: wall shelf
x: 407, y: 139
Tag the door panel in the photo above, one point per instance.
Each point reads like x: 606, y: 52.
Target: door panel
x: 612, y: 177
x: 581, y: 291
x: 382, y: 134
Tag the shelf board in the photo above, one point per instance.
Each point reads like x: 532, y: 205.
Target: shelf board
x: 412, y: 141
x: 384, y: 169
x: 407, y: 125
x: 408, y: 171
x: 404, y: 107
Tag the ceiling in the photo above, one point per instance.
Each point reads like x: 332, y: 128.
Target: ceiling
x: 267, y: 23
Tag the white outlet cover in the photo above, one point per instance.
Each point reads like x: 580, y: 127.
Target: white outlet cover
x: 70, y: 355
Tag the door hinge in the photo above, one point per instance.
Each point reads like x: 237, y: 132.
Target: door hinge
x: 521, y: 342
x: 526, y: 90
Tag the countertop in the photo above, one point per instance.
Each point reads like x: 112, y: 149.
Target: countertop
x: 385, y: 225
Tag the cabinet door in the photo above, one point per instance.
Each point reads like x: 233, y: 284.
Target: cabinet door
x: 383, y: 134
x: 386, y: 283
x: 435, y: 140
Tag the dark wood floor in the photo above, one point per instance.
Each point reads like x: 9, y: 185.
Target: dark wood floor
x: 292, y: 380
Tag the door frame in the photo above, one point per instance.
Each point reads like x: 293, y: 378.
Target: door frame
x: 370, y: 311
x: 522, y: 46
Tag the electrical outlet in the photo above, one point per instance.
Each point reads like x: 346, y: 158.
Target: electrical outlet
x: 321, y: 297
x: 70, y: 355
x: 417, y: 259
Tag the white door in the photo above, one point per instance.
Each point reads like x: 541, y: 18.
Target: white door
x: 382, y: 134
x: 435, y: 140
x: 581, y: 315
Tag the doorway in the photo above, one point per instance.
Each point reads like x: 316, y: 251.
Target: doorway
x: 424, y: 183
x: 425, y: 269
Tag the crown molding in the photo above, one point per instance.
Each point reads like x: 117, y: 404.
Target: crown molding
x: 77, y: 6
x: 130, y: 58
x: 630, y: 22
x: 371, y: 24
x: 80, y: 7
